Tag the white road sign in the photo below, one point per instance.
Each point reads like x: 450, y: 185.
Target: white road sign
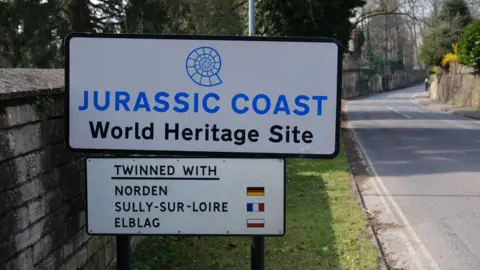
x: 186, y: 196
x: 248, y: 96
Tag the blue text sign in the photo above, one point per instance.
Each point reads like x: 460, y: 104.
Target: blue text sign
x: 216, y: 95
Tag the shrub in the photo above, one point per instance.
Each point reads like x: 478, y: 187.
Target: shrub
x: 449, y: 57
x: 469, y: 49
x: 437, y: 70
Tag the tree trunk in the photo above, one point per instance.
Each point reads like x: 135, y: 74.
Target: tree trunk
x: 81, y: 16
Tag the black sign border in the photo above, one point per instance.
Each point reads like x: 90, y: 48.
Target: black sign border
x: 182, y: 234
x: 204, y: 37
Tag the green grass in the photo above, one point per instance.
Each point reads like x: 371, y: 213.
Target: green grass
x: 326, y: 229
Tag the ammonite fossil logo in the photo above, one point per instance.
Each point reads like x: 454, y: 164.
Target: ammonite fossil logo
x: 203, y: 65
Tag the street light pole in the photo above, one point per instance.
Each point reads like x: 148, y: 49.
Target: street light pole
x: 251, y: 17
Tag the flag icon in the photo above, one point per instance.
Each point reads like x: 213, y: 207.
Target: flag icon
x: 255, y: 207
x: 255, y: 191
x: 255, y: 223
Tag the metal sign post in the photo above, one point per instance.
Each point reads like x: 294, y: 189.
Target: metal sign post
x: 123, y: 252
x: 258, y: 242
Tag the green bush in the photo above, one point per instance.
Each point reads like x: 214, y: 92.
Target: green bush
x: 469, y: 49
x: 436, y: 70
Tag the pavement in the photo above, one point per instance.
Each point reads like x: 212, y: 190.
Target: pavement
x: 423, y: 99
x: 424, y: 183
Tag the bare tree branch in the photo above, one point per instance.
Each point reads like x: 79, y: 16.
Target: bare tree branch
x: 375, y: 13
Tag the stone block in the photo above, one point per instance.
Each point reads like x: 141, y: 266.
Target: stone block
x: 49, y: 181
x: 9, y: 174
x: 76, y: 261
x: 72, y: 179
x: 14, y: 222
x: 7, y: 246
x: 52, y: 261
x: 23, y: 261
x: 77, y: 205
x: 110, y: 252
x: 53, y: 200
x: 6, y: 145
x: 24, y: 139
x: 68, y: 247
x: 72, y: 225
x: 9, y: 200
x: 56, y: 239
x: 49, y: 106
x: 42, y: 248
x: 16, y: 141
x: 31, y: 190
x: 93, y: 245
x: 19, y: 170
x: 52, y: 130
x: 82, y: 217
x: 30, y: 235
x: 18, y: 114
x: 97, y: 261
x: 83, y: 237
x: 37, y: 209
x: 56, y: 222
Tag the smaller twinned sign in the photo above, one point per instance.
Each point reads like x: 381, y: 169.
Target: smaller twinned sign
x: 185, y: 196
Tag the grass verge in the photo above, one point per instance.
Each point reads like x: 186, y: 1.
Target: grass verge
x: 325, y: 229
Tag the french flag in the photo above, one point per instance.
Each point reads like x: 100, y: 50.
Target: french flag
x: 255, y: 207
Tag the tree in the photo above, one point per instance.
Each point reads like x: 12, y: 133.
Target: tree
x: 369, y: 53
x: 438, y: 40
x: 445, y: 30
x: 28, y: 34
x: 33, y: 31
x: 359, y: 40
x: 312, y: 18
x: 455, y: 9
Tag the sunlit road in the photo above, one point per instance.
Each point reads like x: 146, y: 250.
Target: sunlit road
x: 429, y: 163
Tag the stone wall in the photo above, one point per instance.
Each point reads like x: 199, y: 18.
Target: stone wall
x: 460, y: 86
x: 359, y: 82
x: 42, y: 183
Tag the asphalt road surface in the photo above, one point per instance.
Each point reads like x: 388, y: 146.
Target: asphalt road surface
x: 429, y: 163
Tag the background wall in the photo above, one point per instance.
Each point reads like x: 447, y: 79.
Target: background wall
x: 359, y: 82
x: 42, y: 183
x: 460, y: 86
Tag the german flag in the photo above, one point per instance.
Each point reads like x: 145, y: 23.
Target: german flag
x: 255, y: 191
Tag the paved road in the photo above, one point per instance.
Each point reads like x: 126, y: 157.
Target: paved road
x: 429, y: 163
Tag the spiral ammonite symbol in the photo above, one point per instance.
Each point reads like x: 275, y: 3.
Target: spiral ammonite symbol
x: 203, y: 65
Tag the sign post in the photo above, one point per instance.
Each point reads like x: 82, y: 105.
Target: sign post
x: 245, y: 102
x: 257, y: 257
x: 123, y: 252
